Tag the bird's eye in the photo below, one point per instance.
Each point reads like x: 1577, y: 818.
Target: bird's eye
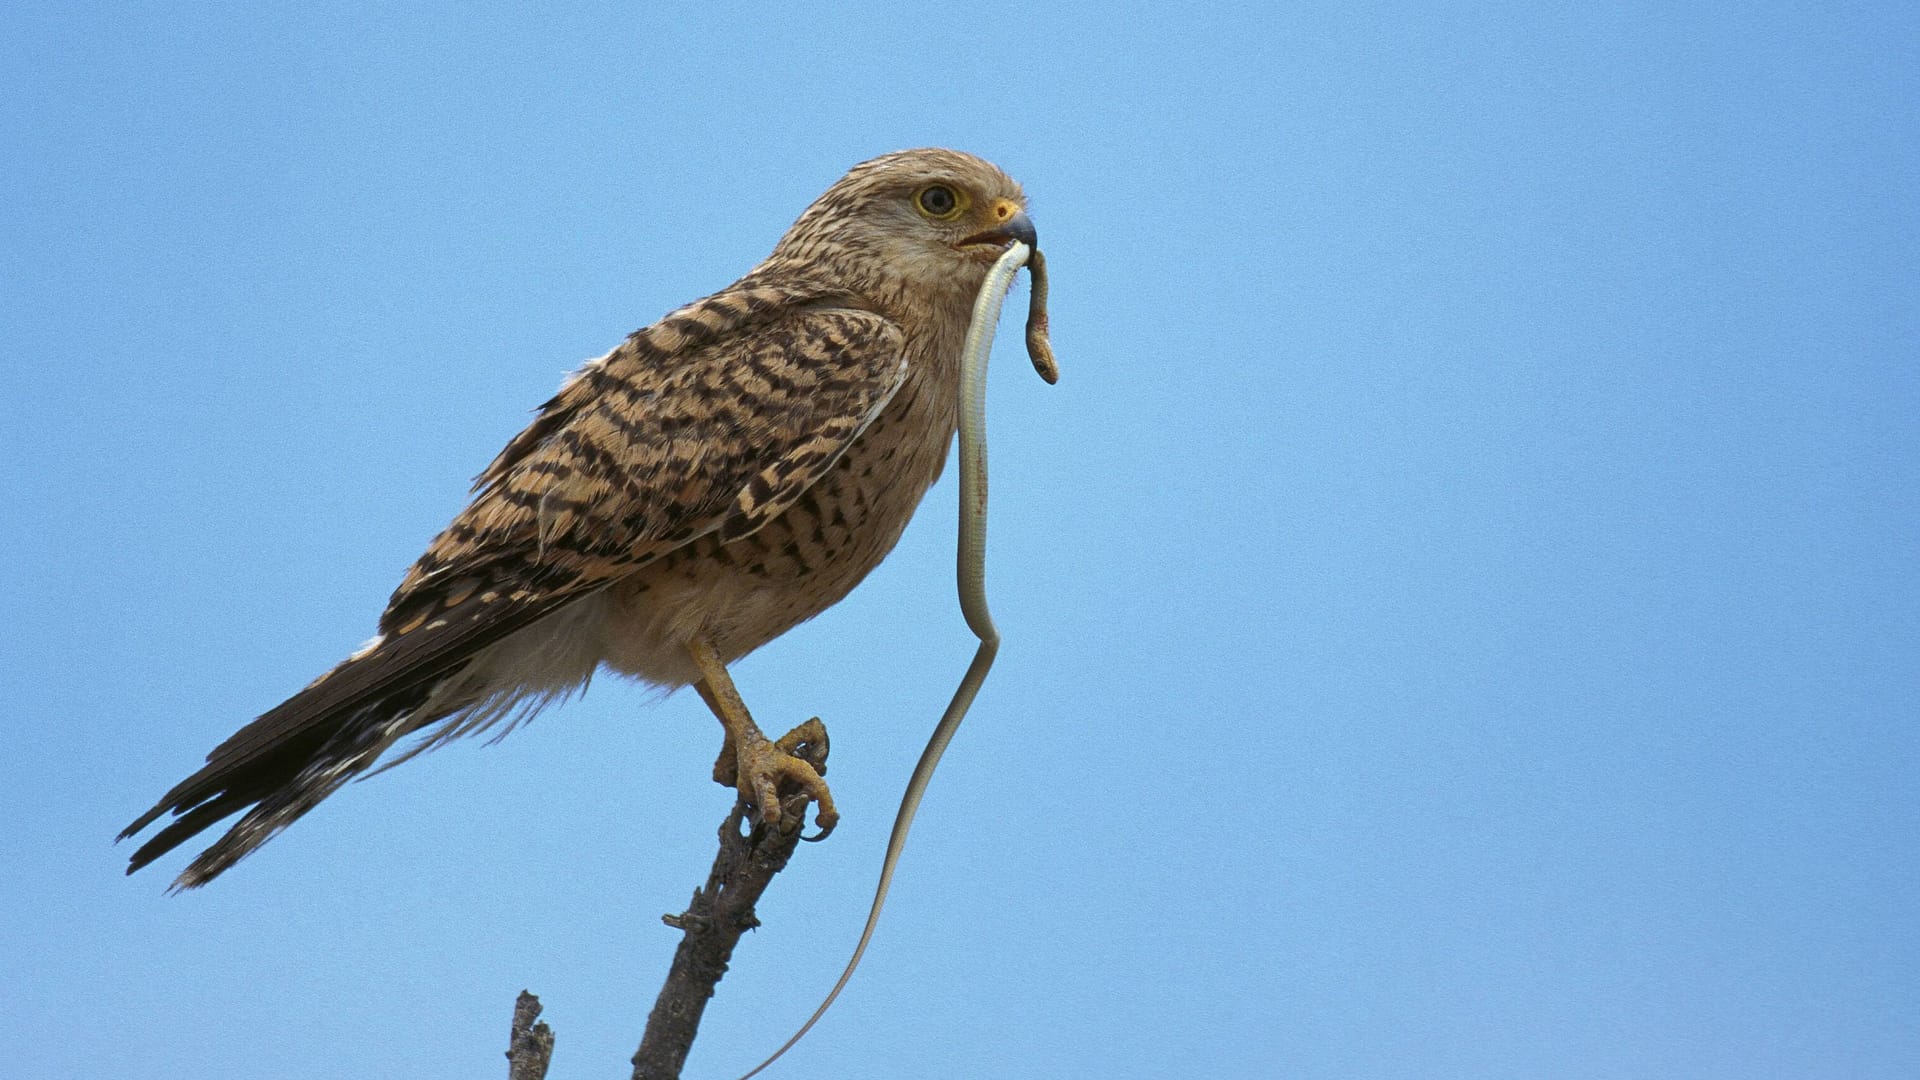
x: 939, y: 202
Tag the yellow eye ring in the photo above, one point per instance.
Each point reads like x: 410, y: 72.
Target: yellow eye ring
x: 940, y: 202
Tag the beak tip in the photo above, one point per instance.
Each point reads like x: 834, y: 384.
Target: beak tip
x: 1020, y: 227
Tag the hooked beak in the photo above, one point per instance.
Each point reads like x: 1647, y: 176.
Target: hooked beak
x: 1018, y: 227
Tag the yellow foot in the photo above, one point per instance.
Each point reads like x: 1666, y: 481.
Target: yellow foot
x: 762, y: 771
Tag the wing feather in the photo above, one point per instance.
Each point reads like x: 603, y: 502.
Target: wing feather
x: 716, y: 418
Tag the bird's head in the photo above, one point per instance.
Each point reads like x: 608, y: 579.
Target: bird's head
x: 928, y: 219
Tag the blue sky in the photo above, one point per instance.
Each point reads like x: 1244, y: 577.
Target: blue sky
x: 1462, y: 601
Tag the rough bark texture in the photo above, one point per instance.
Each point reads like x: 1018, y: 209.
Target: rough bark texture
x: 721, y: 911
x: 530, y: 1048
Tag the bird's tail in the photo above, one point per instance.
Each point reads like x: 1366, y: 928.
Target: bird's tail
x: 277, y: 771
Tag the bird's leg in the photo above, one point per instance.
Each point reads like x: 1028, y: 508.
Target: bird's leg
x: 755, y: 765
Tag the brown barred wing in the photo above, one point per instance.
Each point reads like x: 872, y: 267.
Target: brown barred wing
x: 682, y: 431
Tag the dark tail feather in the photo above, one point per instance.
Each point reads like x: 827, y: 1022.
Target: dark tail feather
x: 297, y: 753
x: 279, y: 784
x: 188, y: 825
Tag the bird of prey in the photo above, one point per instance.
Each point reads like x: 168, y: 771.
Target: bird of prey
x: 720, y: 477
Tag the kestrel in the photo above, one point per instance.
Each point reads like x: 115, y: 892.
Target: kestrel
x: 722, y: 476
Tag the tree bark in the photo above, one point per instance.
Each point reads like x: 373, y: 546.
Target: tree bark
x: 530, y: 1048
x: 720, y: 912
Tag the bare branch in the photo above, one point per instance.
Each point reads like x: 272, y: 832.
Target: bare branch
x: 721, y: 911
x: 530, y: 1048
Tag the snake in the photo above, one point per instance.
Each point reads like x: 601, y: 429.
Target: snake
x: 971, y: 565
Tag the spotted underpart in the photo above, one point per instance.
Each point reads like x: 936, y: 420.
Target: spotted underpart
x: 725, y: 473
